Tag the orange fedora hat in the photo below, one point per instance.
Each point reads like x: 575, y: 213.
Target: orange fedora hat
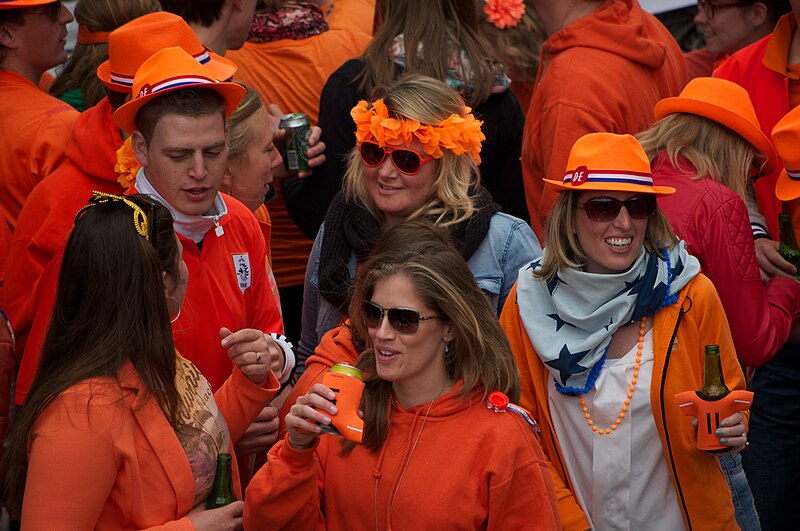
x: 726, y: 103
x: 786, y: 136
x: 610, y: 162
x: 19, y: 4
x: 133, y: 43
x: 166, y: 71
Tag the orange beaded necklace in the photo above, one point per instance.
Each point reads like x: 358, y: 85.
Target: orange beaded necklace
x: 631, y: 388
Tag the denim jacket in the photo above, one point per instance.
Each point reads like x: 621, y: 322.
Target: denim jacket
x: 508, y: 246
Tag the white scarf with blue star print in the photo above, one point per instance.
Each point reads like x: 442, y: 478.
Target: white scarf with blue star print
x: 571, y: 318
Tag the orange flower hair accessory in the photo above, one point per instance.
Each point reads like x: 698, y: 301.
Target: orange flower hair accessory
x: 127, y: 166
x: 504, y: 13
x: 457, y: 133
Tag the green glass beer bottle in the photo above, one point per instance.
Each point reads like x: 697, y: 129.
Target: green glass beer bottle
x: 787, y: 247
x: 713, y: 381
x: 222, y: 491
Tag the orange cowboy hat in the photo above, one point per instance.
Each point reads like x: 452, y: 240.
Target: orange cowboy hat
x: 166, y: 71
x: 133, y: 43
x: 726, y: 103
x: 19, y: 4
x: 609, y: 162
x: 786, y: 136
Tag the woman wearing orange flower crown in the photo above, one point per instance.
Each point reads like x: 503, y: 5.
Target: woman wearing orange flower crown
x: 433, y: 455
x: 607, y: 327
x: 416, y: 157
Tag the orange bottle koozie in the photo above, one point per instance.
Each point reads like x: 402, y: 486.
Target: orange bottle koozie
x: 348, y: 398
x: 710, y: 413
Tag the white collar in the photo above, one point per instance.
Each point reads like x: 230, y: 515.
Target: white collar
x: 193, y: 227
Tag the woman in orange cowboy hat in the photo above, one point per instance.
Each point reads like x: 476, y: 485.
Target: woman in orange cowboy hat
x: 607, y: 326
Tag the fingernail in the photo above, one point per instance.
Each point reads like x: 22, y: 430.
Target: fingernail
x: 326, y: 420
x: 224, y: 343
x: 333, y: 410
x: 724, y: 423
x: 718, y: 432
x: 724, y: 440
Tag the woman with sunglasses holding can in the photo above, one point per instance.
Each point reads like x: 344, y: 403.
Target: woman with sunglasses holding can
x: 607, y: 326
x: 433, y: 456
x: 416, y: 156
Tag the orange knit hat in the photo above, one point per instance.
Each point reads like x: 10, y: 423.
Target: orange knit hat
x: 610, y: 162
x: 168, y: 70
x: 133, y: 43
x: 726, y: 103
x: 786, y: 136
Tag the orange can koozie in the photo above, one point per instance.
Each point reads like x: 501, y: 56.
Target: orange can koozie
x: 345, y: 382
x: 710, y: 413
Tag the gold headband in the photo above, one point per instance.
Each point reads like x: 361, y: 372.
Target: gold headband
x: 140, y: 222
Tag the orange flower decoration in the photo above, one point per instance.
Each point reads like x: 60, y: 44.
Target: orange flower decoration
x: 504, y: 13
x: 459, y: 134
x: 127, y: 166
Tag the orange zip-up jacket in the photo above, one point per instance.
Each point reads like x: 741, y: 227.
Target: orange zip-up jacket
x: 680, y: 332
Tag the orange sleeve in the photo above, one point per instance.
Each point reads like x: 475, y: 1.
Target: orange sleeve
x: 286, y: 493
x: 240, y: 400
x: 571, y: 514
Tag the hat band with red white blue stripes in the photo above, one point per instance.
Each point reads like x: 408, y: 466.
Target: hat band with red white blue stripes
x: 793, y: 174
x: 582, y: 175
x: 127, y: 81
x: 173, y: 83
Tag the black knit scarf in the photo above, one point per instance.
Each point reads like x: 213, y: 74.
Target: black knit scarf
x: 350, y: 228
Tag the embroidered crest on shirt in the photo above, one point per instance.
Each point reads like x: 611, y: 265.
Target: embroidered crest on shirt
x: 241, y: 264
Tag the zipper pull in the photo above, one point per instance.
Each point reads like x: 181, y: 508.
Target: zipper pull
x: 219, y: 231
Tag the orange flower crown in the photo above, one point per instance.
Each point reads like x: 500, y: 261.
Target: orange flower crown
x: 127, y: 166
x: 457, y: 133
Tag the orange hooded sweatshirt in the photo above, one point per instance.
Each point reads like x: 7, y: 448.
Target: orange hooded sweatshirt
x: 679, y: 332
x: 450, y: 464
x: 604, y: 72
x: 49, y: 212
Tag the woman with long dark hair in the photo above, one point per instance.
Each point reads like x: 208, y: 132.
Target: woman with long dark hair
x: 119, y: 430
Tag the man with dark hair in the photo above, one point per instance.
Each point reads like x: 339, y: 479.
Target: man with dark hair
x: 34, y: 126
x: 221, y: 25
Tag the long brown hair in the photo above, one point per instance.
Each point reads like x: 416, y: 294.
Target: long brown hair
x: 97, y: 16
x: 481, y: 355
x: 110, y: 308
x: 439, y: 29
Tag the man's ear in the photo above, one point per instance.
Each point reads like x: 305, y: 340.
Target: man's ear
x: 139, y: 146
x: 758, y: 14
x: 237, y: 5
x: 8, y: 36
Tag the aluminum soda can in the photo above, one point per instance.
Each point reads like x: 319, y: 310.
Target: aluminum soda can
x: 346, y: 368
x: 295, y: 144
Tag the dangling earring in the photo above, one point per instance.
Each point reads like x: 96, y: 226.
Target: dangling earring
x: 448, y: 349
x: 178, y: 313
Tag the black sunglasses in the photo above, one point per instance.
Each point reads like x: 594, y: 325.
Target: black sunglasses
x: 709, y: 7
x: 403, y: 320
x: 406, y: 160
x: 53, y: 10
x: 607, y: 208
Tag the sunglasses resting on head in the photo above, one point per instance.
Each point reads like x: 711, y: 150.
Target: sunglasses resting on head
x: 402, y: 320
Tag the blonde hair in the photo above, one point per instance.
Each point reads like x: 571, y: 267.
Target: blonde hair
x: 564, y: 250
x: 97, y: 16
x: 715, y: 151
x: 239, y: 135
x: 428, y: 101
